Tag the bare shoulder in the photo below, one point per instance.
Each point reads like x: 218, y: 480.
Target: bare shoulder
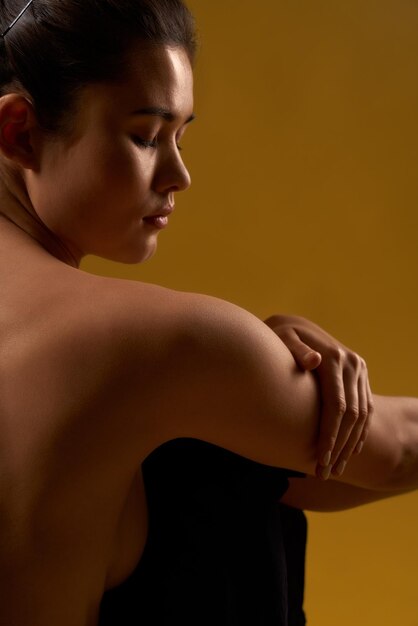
x: 198, y: 366
x: 140, y: 315
x: 162, y: 325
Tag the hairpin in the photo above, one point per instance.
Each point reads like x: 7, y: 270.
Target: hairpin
x: 15, y: 20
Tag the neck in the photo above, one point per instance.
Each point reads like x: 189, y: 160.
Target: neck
x: 17, y: 209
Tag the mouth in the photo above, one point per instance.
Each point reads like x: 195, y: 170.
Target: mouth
x: 159, y: 220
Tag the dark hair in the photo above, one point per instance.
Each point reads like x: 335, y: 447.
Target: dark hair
x: 58, y: 47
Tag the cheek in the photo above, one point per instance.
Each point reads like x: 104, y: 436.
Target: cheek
x: 108, y: 177
x: 124, y: 171
x: 113, y: 195
x: 107, y: 169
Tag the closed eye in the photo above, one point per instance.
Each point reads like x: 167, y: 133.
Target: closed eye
x: 149, y: 144
x: 144, y: 143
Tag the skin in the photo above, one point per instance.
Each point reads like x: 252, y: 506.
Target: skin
x: 128, y: 366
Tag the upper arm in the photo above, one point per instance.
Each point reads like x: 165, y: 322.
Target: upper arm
x: 237, y: 386
x: 227, y: 378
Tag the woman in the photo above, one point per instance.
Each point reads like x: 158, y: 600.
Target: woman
x: 97, y: 373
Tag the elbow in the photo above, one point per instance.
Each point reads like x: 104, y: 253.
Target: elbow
x: 406, y: 473
x: 401, y: 468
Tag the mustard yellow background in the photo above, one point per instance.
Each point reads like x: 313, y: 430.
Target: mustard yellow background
x: 304, y: 159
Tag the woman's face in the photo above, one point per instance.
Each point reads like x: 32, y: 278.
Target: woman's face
x: 109, y: 190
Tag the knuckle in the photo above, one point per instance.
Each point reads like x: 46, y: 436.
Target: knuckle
x: 352, y: 414
x: 370, y: 407
x: 364, y: 413
x: 335, y: 353
x: 340, y: 354
x: 354, y: 360
x: 340, y: 406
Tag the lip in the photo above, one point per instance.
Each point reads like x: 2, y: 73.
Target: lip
x: 159, y: 219
x: 164, y: 212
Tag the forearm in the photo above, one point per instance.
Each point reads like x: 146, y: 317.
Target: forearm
x: 408, y: 434
x: 389, y: 460
x: 388, y: 464
x: 313, y: 494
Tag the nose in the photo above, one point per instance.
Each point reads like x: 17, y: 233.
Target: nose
x: 171, y: 174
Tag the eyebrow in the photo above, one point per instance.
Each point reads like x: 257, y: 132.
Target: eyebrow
x: 160, y: 112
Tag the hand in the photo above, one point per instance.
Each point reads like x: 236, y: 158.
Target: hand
x: 347, y: 401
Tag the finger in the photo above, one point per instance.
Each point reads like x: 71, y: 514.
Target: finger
x: 351, y: 376
x: 333, y: 408
x: 322, y: 472
x: 305, y: 357
x: 370, y: 410
x: 367, y: 392
x: 312, y: 360
x: 357, y: 431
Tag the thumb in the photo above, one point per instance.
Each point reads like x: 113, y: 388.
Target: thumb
x: 311, y: 359
x: 305, y: 357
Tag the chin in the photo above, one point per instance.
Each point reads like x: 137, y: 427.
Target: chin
x: 133, y: 256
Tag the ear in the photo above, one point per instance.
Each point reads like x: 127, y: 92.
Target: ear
x: 18, y: 125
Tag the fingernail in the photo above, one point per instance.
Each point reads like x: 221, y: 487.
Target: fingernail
x: 325, y: 472
x: 340, y: 468
x: 359, y: 447
x: 326, y: 458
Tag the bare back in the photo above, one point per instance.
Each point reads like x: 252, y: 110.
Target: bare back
x: 73, y: 512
